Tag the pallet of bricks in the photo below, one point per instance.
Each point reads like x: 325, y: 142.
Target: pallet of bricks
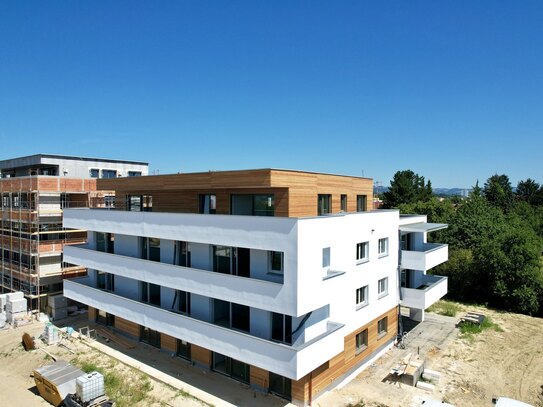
x: 16, y: 307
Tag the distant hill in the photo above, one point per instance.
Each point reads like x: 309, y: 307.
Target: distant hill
x: 437, y: 191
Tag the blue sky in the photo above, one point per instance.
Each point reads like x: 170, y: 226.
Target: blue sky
x: 452, y: 90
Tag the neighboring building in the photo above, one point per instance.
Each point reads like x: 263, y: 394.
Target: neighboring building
x: 34, y: 191
x: 289, y: 302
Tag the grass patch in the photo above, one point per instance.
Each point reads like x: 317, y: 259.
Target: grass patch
x: 469, y: 329
x: 447, y: 308
x: 126, y: 389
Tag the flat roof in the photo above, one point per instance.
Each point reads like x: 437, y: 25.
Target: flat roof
x: 38, y: 157
x: 423, y: 227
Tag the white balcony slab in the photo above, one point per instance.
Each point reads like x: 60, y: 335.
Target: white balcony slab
x: 241, y: 290
x: 429, y: 256
x: 293, y: 362
x: 434, y: 288
x: 257, y: 232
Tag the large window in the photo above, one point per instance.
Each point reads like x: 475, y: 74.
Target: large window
x: 231, y: 315
x: 183, y: 349
x: 182, y: 254
x: 105, y: 242
x: 362, y: 252
x: 150, y: 248
x: 207, y: 204
x: 150, y: 293
x: 344, y: 203
x: 281, y: 328
x: 232, y: 260
x: 231, y: 367
x: 383, y: 247
x: 134, y: 173
x: 361, y: 297
x: 150, y: 336
x: 324, y: 204
x: 361, y: 203
x: 252, y: 205
x: 361, y: 341
x: 181, y: 302
x: 276, y: 262
x: 281, y: 386
x: 382, y: 326
x: 109, y: 173
x: 105, y: 281
x: 382, y: 287
x: 105, y: 318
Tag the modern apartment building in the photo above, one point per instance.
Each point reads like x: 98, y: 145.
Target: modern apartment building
x: 34, y: 191
x: 284, y: 280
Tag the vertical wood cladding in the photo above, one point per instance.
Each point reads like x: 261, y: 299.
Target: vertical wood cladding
x: 128, y: 327
x: 259, y: 377
x: 200, y: 355
x: 295, y: 191
x: 323, y: 376
x: 168, y: 342
x: 92, y: 314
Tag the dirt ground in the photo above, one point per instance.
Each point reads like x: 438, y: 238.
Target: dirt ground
x: 17, y: 386
x: 474, y: 369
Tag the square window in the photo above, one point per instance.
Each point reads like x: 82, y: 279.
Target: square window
x: 382, y: 327
x: 382, y: 285
x: 383, y: 247
x: 326, y: 257
x: 361, y: 297
x: 361, y: 341
x: 362, y: 252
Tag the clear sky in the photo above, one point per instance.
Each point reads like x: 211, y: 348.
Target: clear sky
x: 450, y: 89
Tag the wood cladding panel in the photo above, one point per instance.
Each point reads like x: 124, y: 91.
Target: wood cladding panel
x: 168, y: 342
x: 200, y: 355
x: 320, y: 378
x: 127, y: 327
x: 92, y: 314
x: 259, y: 377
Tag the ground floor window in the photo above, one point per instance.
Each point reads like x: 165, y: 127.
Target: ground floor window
x: 183, y: 349
x: 150, y: 336
x: 105, y: 318
x: 231, y: 367
x: 382, y: 326
x: 280, y: 386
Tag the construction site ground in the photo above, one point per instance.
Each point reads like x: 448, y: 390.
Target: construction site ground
x: 473, y: 368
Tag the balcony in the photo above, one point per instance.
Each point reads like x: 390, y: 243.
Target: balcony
x: 432, y: 289
x: 425, y: 256
x: 293, y: 362
x: 241, y: 290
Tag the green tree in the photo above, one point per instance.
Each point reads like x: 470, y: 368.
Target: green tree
x: 527, y: 190
x: 498, y: 192
x: 406, y: 187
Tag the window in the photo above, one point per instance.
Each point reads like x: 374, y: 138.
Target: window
x: 139, y: 203
x: 383, y: 247
x: 281, y: 328
x: 183, y: 349
x: 183, y: 254
x: 326, y: 257
x: 232, y: 260
x: 276, y: 262
x: 382, y: 326
x: 134, y: 173
x: 263, y: 205
x: 280, y: 386
x: 150, y: 293
x: 344, y: 203
x: 362, y: 253
x: 323, y: 204
x: 361, y: 341
x: 361, y: 297
x: 105, y: 281
x: 150, y: 248
x: 230, y: 367
x: 382, y: 287
x: 109, y: 173
x: 181, y: 302
x: 94, y: 172
x: 105, y: 318
x: 150, y: 336
x: 252, y: 205
x: 207, y: 204
x: 105, y: 242
x: 231, y: 315
x: 361, y: 203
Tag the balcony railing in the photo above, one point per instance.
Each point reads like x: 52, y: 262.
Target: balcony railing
x: 424, y: 258
x: 293, y: 362
x: 430, y: 290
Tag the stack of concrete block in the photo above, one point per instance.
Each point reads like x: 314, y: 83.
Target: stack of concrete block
x: 51, y: 334
x: 16, y: 306
x: 58, y: 305
x: 3, y: 302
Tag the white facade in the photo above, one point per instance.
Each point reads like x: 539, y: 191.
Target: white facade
x: 317, y: 287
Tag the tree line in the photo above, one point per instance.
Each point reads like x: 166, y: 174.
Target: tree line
x: 495, y: 238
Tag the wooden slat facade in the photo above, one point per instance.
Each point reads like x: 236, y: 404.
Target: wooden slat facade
x: 200, y: 355
x: 168, y: 343
x: 295, y: 191
x: 259, y: 377
x: 127, y: 327
x: 92, y: 314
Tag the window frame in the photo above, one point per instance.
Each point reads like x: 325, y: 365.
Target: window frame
x: 366, y: 258
x: 361, y: 341
x: 362, y: 302
x: 380, y: 330
x: 384, y: 292
x: 343, y: 202
x: 271, y: 258
x: 361, y: 203
x: 324, y: 204
x: 385, y: 252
